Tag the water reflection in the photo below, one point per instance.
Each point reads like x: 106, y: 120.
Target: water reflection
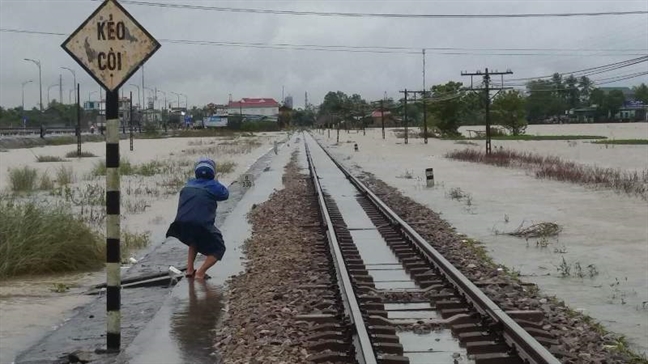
x: 193, y: 326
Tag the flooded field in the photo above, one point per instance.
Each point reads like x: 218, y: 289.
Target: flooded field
x: 598, y: 263
x: 29, y: 307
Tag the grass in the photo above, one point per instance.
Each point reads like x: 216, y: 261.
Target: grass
x: 552, y: 167
x: 48, y: 158
x: 623, y: 141
x: 239, y: 146
x: 225, y: 167
x: 46, y: 183
x: 64, y: 175
x: 22, y: 179
x: 125, y: 168
x: 73, y: 154
x: 539, y: 137
x: 42, y: 239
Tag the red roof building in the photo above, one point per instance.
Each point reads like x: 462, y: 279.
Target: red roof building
x: 254, y: 109
x: 252, y: 103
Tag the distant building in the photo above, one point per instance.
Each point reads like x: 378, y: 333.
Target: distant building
x: 288, y: 102
x: 255, y: 109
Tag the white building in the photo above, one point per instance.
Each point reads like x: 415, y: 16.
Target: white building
x: 255, y: 108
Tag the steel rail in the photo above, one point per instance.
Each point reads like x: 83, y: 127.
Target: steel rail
x: 525, y: 345
x: 364, y: 349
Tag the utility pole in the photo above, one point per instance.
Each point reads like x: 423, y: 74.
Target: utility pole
x: 382, y: 116
x: 306, y: 100
x: 487, y: 89
x: 405, y: 114
x: 424, y: 96
x: 61, y: 89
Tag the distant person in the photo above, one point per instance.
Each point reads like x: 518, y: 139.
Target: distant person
x: 194, y: 222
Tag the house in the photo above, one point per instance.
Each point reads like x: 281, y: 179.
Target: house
x: 377, y: 118
x: 255, y: 109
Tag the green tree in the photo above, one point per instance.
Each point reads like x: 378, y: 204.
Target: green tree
x: 544, y: 101
x: 613, y: 102
x: 303, y: 117
x: 509, y: 111
x: 448, y: 108
x: 572, y: 93
x: 585, y: 86
x: 641, y: 93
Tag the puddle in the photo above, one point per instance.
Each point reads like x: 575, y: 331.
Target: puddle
x: 434, y: 347
x: 413, y: 311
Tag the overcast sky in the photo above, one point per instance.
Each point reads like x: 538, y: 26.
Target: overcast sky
x: 208, y: 73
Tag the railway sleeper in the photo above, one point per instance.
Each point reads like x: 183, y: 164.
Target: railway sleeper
x: 332, y: 357
x: 392, y: 359
x: 496, y: 358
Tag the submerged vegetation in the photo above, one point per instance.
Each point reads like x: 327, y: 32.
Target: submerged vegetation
x: 552, y: 167
x: 36, y: 238
x: 622, y: 141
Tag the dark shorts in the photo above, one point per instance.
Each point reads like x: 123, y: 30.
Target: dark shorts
x: 208, y: 240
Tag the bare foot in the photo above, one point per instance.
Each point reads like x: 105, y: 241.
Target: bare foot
x: 201, y: 276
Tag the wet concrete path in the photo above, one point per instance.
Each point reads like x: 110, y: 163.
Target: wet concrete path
x: 85, y: 329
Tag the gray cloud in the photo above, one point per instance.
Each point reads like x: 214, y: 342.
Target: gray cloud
x: 210, y: 73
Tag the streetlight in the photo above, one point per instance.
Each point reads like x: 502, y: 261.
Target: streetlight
x: 23, y: 94
x: 165, y: 99
x: 153, y: 91
x: 48, y: 93
x: 40, y: 80
x: 177, y: 94
x: 75, y: 84
x: 186, y: 101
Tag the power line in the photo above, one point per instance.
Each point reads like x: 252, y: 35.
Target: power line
x: 592, y: 70
x: 378, y: 15
x: 363, y: 49
x: 598, y: 82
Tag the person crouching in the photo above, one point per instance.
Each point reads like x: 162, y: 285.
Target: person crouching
x: 194, y: 222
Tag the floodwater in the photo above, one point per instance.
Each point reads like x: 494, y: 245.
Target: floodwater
x: 28, y: 306
x: 184, y: 328
x: 604, y: 242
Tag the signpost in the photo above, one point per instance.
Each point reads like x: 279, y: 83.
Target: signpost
x: 111, y: 45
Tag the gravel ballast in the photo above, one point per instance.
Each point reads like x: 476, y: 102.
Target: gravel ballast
x: 283, y: 265
x: 580, y: 338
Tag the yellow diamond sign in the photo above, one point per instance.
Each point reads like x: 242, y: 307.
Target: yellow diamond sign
x: 111, y: 45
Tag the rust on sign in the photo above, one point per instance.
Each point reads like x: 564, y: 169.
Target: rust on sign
x: 111, y: 45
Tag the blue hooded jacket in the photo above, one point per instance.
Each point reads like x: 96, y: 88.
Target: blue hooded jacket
x: 199, y: 200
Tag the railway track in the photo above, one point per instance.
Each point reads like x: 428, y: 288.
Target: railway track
x: 400, y: 300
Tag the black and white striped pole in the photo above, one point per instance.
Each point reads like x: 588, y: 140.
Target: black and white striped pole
x: 113, y: 228
x: 111, y: 46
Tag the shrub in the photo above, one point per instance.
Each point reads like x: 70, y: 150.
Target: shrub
x: 48, y: 158
x: 64, y: 175
x: 42, y: 239
x: 46, y: 182
x: 125, y: 168
x: 73, y: 154
x: 22, y: 179
x: 555, y: 168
